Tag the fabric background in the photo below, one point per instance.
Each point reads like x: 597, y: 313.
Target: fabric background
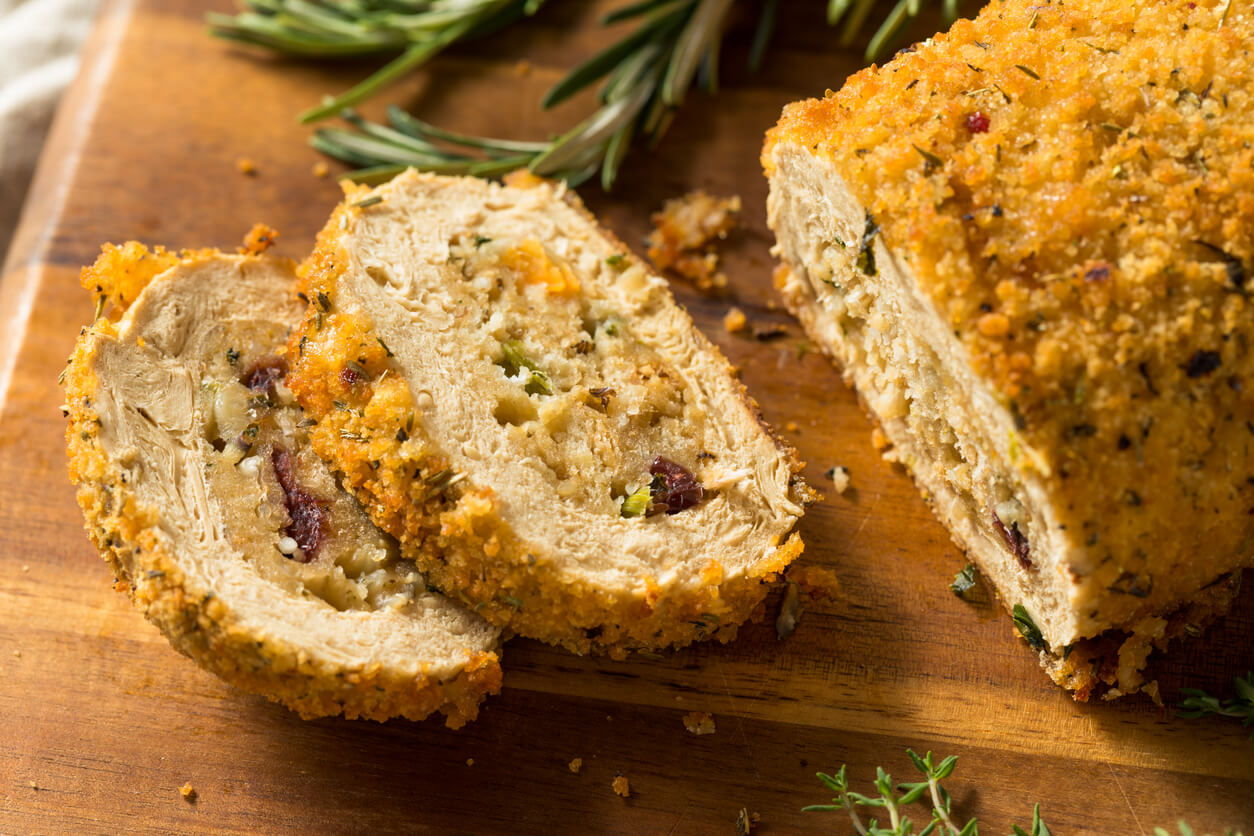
x: 39, y: 45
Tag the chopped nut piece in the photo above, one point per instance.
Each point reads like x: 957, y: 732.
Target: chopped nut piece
x: 575, y: 765
x: 699, y: 722
x: 621, y: 785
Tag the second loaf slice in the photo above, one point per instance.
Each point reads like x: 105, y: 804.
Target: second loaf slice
x: 517, y: 399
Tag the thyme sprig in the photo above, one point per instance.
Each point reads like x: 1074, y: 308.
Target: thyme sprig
x: 1198, y: 703
x: 894, y: 798
x: 644, y: 76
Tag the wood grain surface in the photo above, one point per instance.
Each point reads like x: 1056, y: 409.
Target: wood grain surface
x: 103, y: 722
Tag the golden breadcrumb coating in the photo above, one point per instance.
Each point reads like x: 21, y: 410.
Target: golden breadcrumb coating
x: 1072, y: 186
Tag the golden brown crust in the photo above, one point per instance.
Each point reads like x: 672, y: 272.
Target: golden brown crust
x: 1072, y: 187
x: 454, y: 533
x: 197, y: 623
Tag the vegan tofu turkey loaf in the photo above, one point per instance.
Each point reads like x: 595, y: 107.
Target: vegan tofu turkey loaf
x: 515, y: 397
x: 200, y: 489
x: 1027, y: 242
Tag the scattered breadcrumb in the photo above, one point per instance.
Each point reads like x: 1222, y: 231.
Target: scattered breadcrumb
x: 34, y: 786
x: 683, y: 232
x: 17, y: 654
x: 470, y: 761
x: 699, y: 722
x: 575, y: 765
x: 246, y: 166
x: 735, y: 320
x: 522, y: 69
x: 746, y: 821
x: 321, y: 169
x: 259, y: 239
x: 789, y: 612
x: 188, y: 792
x: 25, y: 568
x: 880, y: 441
x: 621, y: 785
x: 817, y: 583
x: 840, y: 478
x: 791, y: 427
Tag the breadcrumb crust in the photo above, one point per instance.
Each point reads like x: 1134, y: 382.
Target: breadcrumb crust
x: 197, y: 623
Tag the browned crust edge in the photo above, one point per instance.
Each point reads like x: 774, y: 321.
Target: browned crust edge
x: 204, y: 627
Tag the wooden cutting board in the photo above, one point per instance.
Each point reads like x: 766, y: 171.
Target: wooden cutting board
x: 103, y: 722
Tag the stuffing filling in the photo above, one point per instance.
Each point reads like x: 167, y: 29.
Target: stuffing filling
x: 308, y: 534
x: 575, y: 390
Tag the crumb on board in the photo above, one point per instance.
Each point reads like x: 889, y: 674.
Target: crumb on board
x: 575, y: 765
x: 321, y: 169
x: 840, y: 478
x: 791, y: 427
x: 816, y: 583
x: 621, y: 785
x: 246, y: 167
x: 188, y: 792
x: 25, y: 568
x: 470, y: 761
x: 522, y: 69
x: 789, y: 611
x: 735, y: 320
x: 17, y: 654
x: 259, y: 239
x: 746, y: 821
x: 683, y: 233
x: 880, y: 441
x: 699, y: 722
x: 34, y: 786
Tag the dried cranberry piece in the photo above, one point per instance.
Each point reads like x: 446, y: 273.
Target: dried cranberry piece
x: 977, y: 123
x: 1014, y: 540
x: 308, y: 526
x: 263, y: 374
x: 674, y: 488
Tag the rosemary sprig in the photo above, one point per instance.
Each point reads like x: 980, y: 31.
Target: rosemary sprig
x: 894, y: 798
x: 417, y: 29
x: 1198, y: 703
x: 644, y: 76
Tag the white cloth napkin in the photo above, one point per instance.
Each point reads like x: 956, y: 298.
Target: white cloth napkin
x: 39, y: 44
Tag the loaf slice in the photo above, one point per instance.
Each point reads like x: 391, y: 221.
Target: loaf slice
x: 200, y: 489
x: 1026, y: 242
x: 514, y: 396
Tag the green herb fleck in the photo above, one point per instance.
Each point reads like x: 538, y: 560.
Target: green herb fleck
x: 481, y: 240
x: 866, y: 252
x: 1028, y: 71
x: 232, y: 356
x: 963, y: 581
x: 930, y: 160
x: 1027, y: 627
x: 324, y: 301
x: 386, y: 350
x: 515, y: 360
x: 368, y: 201
x: 616, y: 260
x: 510, y: 600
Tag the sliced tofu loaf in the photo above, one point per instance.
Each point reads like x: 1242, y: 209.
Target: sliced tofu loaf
x: 1026, y: 242
x: 517, y: 399
x: 201, y: 491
